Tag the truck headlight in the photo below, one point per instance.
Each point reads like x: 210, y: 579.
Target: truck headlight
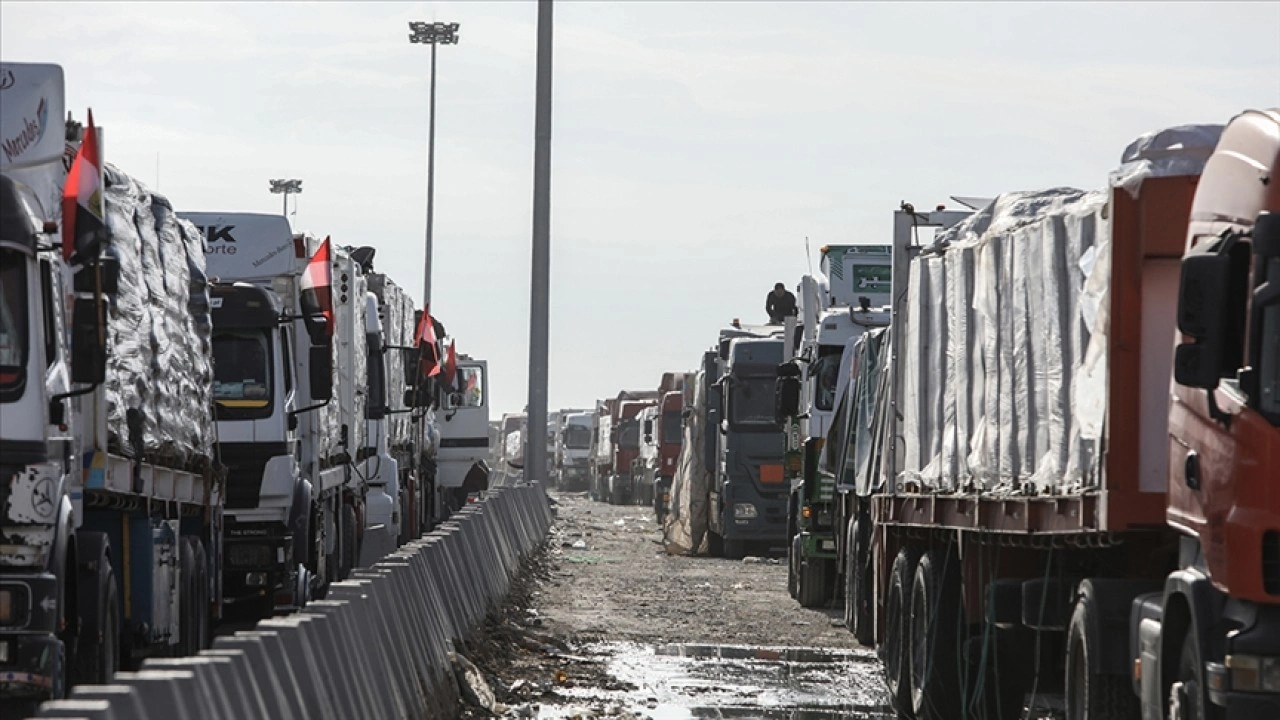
x: 1253, y: 673
x: 744, y: 511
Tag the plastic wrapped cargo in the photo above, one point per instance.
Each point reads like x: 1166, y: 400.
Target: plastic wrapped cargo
x: 396, y: 310
x: 159, y: 371
x: 1005, y: 365
x: 685, y: 528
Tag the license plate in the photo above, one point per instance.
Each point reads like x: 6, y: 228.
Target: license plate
x: 771, y: 474
x: 828, y: 544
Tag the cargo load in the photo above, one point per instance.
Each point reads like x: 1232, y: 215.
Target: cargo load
x: 158, y: 331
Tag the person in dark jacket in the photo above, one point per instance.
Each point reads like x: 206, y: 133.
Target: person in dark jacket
x: 779, y: 304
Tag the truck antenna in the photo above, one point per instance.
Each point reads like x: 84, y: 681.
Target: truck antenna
x: 808, y: 255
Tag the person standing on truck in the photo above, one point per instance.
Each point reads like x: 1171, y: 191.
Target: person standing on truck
x: 779, y: 304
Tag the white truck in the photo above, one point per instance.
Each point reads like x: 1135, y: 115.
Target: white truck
x: 462, y: 460
x: 573, y: 452
x: 110, y: 498
x: 290, y: 404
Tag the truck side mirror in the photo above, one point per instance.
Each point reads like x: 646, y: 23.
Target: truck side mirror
x: 320, y: 363
x: 1266, y: 235
x: 648, y: 429
x: 88, y: 345
x: 1211, y: 300
x: 86, y: 279
x: 788, y: 398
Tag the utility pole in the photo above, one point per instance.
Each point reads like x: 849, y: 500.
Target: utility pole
x: 535, y: 452
x: 286, y: 188
x: 433, y: 33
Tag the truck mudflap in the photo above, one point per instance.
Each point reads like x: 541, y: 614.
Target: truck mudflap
x: 1246, y: 684
x: 32, y: 657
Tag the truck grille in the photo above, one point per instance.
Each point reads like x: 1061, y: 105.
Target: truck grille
x: 1271, y: 562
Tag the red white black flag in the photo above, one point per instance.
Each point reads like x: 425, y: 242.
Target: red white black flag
x: 425, y: 339
x: 316, y: 288
x: 83, y: 216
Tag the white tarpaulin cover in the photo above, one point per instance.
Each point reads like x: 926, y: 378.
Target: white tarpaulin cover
x: 1005, y: 347
x: 159, y: 370
x: 685, y: 528
x: 395, y: 309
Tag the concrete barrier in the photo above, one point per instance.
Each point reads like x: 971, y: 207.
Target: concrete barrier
x: 378, y: 646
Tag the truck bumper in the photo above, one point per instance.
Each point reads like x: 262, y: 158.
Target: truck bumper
x: 818, y: 544
x: 1250, y: 691
x: 258, y: 564
x: 31, y: 655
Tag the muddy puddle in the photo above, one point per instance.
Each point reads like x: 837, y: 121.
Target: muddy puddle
x: 679, y: 681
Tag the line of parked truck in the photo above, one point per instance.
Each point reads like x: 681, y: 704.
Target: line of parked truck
x: 1047, y: 471
x: 200, y: 412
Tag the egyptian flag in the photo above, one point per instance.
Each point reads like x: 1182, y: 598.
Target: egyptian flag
x: 83, y: 224
x: 426, y: 335
x: 316, y: 288
x: 450, y: 364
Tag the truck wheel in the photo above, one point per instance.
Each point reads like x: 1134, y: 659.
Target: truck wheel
x: 735, y: 549
x: 205, y: 613
x: 894, y: 652
x: 186, y: 600
x: 615, y: 493
x: 348, y: 553
x: 715, y: 544
x: 793, y: 568
x: 935, y: 636
x: 1092, y: 695
x: 857, y: 590
x: 97, y: 658
x: 814, y: 589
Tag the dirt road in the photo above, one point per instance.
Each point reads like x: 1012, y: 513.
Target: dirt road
x: 613, y: 626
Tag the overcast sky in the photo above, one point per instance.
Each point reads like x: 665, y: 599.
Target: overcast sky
x: 695, y: 145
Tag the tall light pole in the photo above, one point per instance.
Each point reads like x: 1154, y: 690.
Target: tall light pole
x: 433, y: 33
x: 286, y: 188
x: 536, y: 452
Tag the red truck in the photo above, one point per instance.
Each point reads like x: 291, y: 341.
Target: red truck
x: 621, y: 483
x: 669, y: 434
x: 1031, y: 513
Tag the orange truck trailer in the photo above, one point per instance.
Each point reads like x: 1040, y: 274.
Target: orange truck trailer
x: 1052, y: 507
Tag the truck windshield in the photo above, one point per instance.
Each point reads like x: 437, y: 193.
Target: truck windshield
x: 671, y: 428
x: 752, y: 401
x: 629, y: 435
x: 825, y: 374
x: 577, y: 437
x: 13, y: 321
x: 242, y: 374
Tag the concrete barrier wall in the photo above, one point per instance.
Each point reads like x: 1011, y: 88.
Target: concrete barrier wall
x: 376, y: 648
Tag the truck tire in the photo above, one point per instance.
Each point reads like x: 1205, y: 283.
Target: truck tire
x: 187, y: 622
x: 615, y: 493
x: 857, y: 591
x: 894, y: 651
x: 935, y: 641
x: 205, y: 616
x: 1091, y: 694
x: 715, y: 544
x: 815, y: 590
x: 793, y: 568
x: 97, y: 658
x: 348, y: 554
x: 734, y: 549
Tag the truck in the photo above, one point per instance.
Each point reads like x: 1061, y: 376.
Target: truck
x: 620, y: 485
x: 462, y: 460
x: 290, y: 389
x: 749, y: 497
x: 848, y: 296
x: 512, y: 435
x: 1062, y: 495
x: 644, y: 466
x: 669, y: 434
x: 573, y: 451
x: 110, y: 489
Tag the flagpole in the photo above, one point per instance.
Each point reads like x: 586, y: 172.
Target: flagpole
x: 535, y: 452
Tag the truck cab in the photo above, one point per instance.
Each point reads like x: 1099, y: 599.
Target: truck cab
x: 462, y: 459
x: 749, y: 499
x: 626, y: 447
x: 669, y: 433
x: 644, y: 468
x: 575, y: 451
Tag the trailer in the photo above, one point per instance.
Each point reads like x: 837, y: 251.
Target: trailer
x: 1018, y: 495
x: 110, y: 538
